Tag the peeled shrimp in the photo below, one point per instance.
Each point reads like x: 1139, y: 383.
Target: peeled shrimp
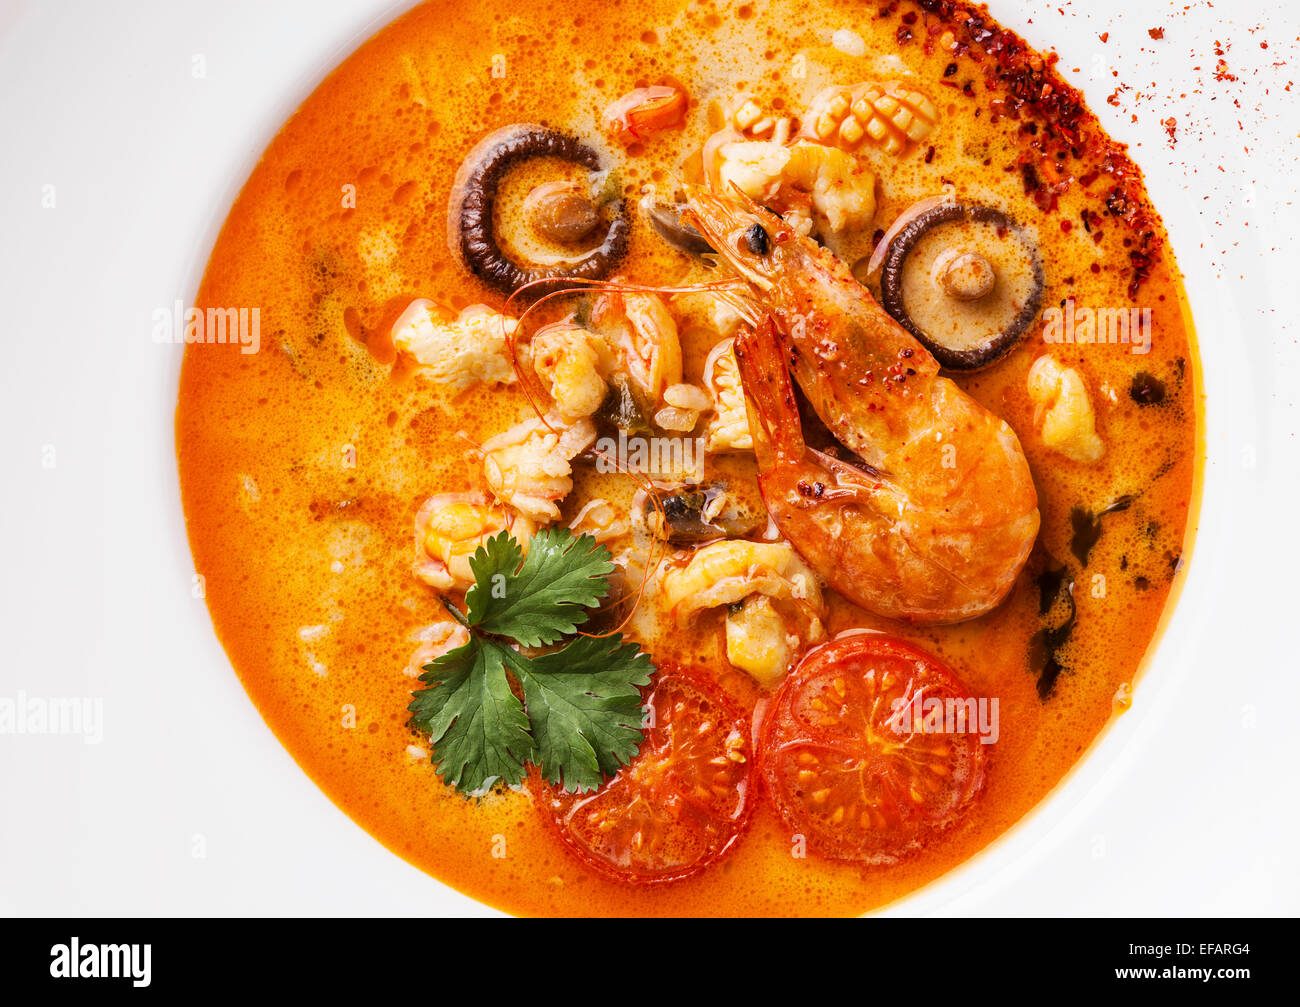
x: 528, y: 467
x: 642, y: 332
x: 449, y: 529
x: 934, y: 520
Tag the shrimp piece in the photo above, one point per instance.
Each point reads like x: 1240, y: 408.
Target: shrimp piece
x: 528, y: 466
x: 458, y: 354
x: 840, y: 190
x: 728, y: 427
x: 758, y: 640
x: 1063, y: 411
x: 567, y: 359
x: 640, y: 330
x: 727, y: 572
x: 434, y: 640
x: 601, y: 520
x: 774, y: 601
x: 936, y: 520
x: 450, y: 527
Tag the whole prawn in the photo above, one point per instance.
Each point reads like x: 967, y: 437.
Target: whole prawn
x: 936, y: 521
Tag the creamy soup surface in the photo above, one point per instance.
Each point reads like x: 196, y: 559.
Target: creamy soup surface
x: 304, y: 466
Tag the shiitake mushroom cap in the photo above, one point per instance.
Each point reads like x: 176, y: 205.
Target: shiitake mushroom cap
x: 471, y: 231
x: 891, y: 285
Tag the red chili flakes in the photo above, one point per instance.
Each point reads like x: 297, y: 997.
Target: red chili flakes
x: 1104, y: 36
x: 1221, y: 72
x: 1068, y: 137
x: 904, y: 35
x: 1171, y: 126
x: 1156, y: 33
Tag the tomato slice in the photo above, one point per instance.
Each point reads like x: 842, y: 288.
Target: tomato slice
x: 681, y: 804
x: 646, y: 110
x: 851, y: 763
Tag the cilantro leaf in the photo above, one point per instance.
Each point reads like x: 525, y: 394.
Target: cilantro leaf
x: 476, y: 724
x: 585, y: 708
x: 581, y: 713
x: 539, y: 599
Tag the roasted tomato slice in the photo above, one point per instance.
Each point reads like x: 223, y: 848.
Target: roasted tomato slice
x: 680, y: 804
x: 850, y: 760
x: 646, y: 110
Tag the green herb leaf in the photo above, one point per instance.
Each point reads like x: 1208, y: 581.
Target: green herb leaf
x: 540, y: 599
x: 581, y: 713
x: 476, y: 724
x: 585, y: 708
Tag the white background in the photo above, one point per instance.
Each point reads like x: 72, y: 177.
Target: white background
x: 1187, y: 806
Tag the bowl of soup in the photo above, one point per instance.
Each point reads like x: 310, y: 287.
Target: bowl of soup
x: 738, y: 468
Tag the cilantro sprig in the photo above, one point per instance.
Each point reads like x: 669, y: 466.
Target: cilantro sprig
x: 580, y: 716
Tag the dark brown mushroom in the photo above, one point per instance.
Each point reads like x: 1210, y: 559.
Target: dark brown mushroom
x: 560, y: 212
x: 689, y: 515
x: 667, y: 222
x: 471, y: 231
x: 985, y: 286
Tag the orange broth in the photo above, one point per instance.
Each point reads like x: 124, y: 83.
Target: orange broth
x: 302, y: 466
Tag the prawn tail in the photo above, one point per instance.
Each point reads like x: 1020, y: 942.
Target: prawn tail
x: 769, y: 393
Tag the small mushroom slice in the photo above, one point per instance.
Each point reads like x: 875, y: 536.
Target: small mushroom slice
x: 966, y: 281
x: 692, y: 514
x: 560, y: 211
x: 558, y: 214
x: 667, y: 222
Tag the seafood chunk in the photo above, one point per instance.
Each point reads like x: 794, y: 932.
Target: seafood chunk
x: 727, y: 572
x: 683, y: 405
x: 434, y: 640
x: 749, y: 118
x: 601, y: 520
x: 758, y: 640
x: 692, y: 513
x: 1063, y: 411
x: 528, y: 466
x: 774, y: 600
x: 728, y: 427
x: 839, y: 190
x: 567, y: 361
x: 450, y: 527
x: 888, y: 116
x: 457, y: 354
x: 643, y: 335
x: 937, y: 520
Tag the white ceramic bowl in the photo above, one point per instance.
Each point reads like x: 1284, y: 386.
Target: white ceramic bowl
x: 188, y: 804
